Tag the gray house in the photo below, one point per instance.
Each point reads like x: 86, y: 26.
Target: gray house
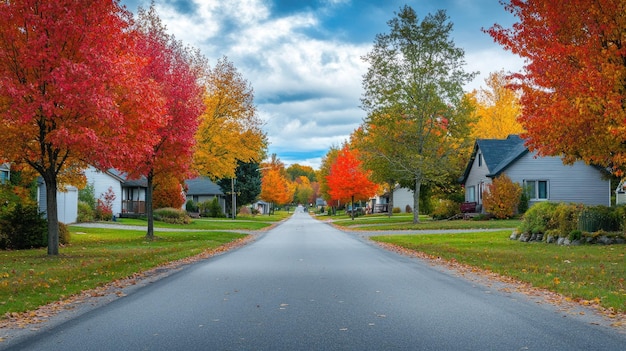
x: 544, y: 178
x: 202, y: 189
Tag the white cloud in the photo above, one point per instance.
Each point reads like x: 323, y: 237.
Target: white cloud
x: 488, y: 61
x: 307, y: 88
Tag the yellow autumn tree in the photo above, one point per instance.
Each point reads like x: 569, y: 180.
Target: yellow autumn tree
x: 304, y: 190
x: 496, y: 109
x: 229, y: 129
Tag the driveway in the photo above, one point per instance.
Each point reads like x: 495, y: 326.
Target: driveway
x: 305, y: 285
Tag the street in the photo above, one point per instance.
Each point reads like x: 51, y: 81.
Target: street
x: 307, y: 286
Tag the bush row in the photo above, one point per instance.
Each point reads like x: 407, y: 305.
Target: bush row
x: 172, y: 215
x: 572, y: 221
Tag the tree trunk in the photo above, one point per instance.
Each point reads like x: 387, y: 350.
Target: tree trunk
x: 149, y: 212
x: 353, y: 209
x: 392, y: 186
x: 52, y: 214
x: 416, y: 200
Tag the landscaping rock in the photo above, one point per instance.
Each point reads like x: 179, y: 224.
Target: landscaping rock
x: 524, y: 237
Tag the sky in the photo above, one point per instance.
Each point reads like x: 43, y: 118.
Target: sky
x: 303, y: 57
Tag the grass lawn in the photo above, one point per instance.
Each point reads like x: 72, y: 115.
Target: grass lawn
x: 30, y: 278
x: 589, y: 273
x: 405, y: 222
x: 240, y: 223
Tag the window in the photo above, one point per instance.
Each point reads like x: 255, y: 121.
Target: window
x: 471, y: 193
x: 536, y: 189
x: 4, y: 176
x: 480, y: 160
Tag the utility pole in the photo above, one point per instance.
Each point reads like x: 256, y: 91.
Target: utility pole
x: 233, y: 197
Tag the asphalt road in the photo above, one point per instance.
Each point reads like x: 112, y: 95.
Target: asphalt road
x: 307, y: 286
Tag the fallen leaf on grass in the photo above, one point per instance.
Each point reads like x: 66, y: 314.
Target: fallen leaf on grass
x: 43, y: 313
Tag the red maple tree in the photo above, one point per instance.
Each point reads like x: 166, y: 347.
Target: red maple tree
x: 347, y: 181
x: 70, y: 92
x: 574, y: 79
x: 176, y: 70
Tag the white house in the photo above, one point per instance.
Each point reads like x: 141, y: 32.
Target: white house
x: 402, y: 197
x: 130, y: 194
x: 67, y: 202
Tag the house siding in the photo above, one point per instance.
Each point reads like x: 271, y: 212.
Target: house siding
x: 475, y: 178
x: 101, y: 182
x: 565, y: 181
x: 67, y: 203
x: 402, y: 197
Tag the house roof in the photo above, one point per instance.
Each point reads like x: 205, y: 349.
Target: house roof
x: 142, y: 182
x: 202, y: 186
x: 498, y: 154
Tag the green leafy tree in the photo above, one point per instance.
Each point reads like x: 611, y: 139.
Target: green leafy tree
x: 413, y: 93
x: 324, y: 171
x: 247, y: 184
x: 295, y: 171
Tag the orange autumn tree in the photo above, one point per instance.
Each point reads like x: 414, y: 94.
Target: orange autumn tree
x: 574, y: 80
x: 347, y: 180
x: 275, y: 188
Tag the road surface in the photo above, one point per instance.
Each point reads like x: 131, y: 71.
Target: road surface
x: 307, y: 286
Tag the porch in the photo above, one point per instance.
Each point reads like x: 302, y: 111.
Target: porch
x: 133, y: 208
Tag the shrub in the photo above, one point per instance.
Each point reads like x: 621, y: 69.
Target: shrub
x: 85, y: 212
x: 501, y: 197
x: 171, y: 215
x: 245, y: 211
x: 64, y: 234
x: 214, y: 209
x: 104, y: 207
x: 575, y: 235
x: 565, y: 218
x: 23, y: 227
x: 191, y: 206
x: 620, y: 216
x: 445, y: 208
x: 87, y: 196
x: 396, y: 210
x: 524, y: 201
x: 408, y: 209
x: 538, y: 218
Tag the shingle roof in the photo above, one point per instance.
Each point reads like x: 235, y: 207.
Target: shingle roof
x: 202, y: 186
x: 497, y: 154
x: 141, y: 182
